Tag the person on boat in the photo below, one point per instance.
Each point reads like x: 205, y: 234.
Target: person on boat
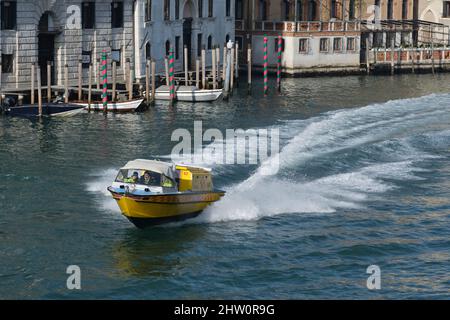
x: 133, y: 179
x: 146, y: 179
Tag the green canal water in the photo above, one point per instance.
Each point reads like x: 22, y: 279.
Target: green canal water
x: 363, y: 180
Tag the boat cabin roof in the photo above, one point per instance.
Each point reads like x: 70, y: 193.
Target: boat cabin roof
x: 151, y: 165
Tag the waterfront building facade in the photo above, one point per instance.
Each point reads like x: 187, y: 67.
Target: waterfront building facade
x: 65, y: 32
x: 318, y: 36
x: 332, y: 35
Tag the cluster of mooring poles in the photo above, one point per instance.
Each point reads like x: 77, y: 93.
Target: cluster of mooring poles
x: 222, y: 74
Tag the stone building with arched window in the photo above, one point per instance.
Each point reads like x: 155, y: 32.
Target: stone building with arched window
x: 67, y: 32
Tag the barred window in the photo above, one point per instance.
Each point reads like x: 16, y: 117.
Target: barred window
x: 351, y: 44
x: 337, y: 44
x: 302, y: 45
x: 324, y: 43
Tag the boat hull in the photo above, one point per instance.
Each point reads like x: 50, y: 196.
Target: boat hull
x: 128, y: 106
x: 157, y: 209
x: 189, y: 94
x: 50, y: 110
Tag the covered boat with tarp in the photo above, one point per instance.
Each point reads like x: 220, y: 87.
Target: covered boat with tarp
x: 151, y: 192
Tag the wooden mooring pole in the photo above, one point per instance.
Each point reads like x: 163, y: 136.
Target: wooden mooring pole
x: 33, y: 74
x: 166, y: 64
x: 147, y: 81
x: 249, y: 68
x: 224, y: 64
x: 130, y: 80
x: 214, y: 61
x: 114, y: 81
x: 203, y: 68
x: 153, y: 80
x: 197, y: 73
x: 367, y: 57
x: 392, y: 56
x: 90, y: 88
x: 66, y: 84
x: 49, y: 81
x: 80, y: 80
x: 38, y: 76
x: 186, y: 65
x: 232, y: 69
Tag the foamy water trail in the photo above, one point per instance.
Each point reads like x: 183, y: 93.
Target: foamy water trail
x: 386, y: 132
x: 261, y: 195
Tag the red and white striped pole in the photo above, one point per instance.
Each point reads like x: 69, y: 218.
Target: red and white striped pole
x: 280, y: 43
x: 105, y: 81
x: 265, y: 71
x: 171, y: 74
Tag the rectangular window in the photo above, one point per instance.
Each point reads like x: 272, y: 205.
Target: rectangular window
x: 228, y: 8
x: 390, y: 9
x: 199, y: 44
x: 351, y: 44
x: 86, y: 59
x: 351, y: 10
x: 333, y: 8
x: 303, y: 45
x: 239, y: 10
x: 337, y: 44
x: 210, y: 8
x: 148, y: 10
x: 117, y: 14
x: 405, y: 9
x: 9, y: 15
x: 177, y: 47
x: 166, y: 9
x: 276, y: 44
x: 324, y: 44
x: 177, y: 9
x: 200, y: 8
x: 88, y: 15
x: 7, y: 63
x: 446, y: 9
x: 116, y: 55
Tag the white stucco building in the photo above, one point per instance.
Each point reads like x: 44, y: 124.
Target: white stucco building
x: 64, y: 32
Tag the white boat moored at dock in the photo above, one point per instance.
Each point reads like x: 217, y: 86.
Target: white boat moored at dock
x: 188, y: 94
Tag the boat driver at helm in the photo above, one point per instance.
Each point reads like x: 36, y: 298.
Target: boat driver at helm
x: 147, y: 179
x: 133, y: 179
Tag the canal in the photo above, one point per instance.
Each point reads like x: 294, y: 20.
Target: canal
x: 363, y: 180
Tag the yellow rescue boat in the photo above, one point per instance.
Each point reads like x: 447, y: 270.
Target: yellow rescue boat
x: 151, y: 192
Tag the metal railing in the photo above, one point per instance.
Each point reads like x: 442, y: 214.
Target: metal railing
x: 300, y: 26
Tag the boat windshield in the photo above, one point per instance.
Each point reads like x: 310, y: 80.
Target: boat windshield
x: 142, y: 177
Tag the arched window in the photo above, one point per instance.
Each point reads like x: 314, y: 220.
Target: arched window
x: 209, y: 42
x: 227, y: 38
x: 167, y: 47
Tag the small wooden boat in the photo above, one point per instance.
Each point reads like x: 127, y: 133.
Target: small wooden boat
x: 152, y: 192
x: 126, y: 106
x: 48, y: 110
x: 188, y: 94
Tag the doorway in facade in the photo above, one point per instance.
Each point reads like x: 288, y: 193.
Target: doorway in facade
x: 46, y: 46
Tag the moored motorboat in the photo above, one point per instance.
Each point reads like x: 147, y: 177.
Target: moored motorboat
x: 125, y: 106
x: 188, y: 94
x: 151, y: 192
x: 50, y: 109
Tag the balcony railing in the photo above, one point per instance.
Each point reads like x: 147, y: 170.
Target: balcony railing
x: 300, y: 26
